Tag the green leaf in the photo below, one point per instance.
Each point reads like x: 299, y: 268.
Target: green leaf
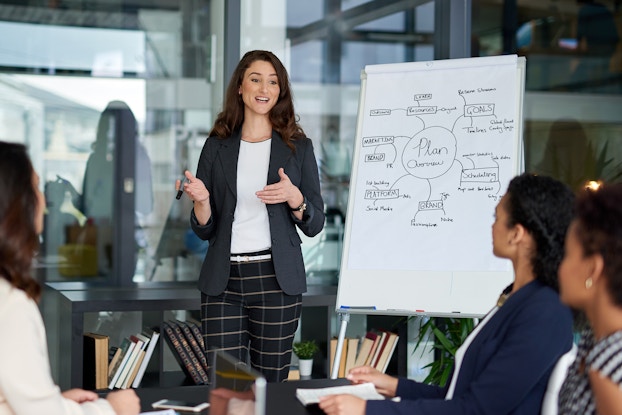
x: 448, y: 335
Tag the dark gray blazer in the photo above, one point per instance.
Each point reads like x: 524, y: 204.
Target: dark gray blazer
x: 218, y: 170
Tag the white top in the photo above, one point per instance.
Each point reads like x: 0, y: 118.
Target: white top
x: 26, y: 384
x: 462, y: 350
x: 251, y: 228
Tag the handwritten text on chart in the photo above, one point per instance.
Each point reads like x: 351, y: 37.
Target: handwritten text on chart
x: 421, y: 97
x: 421, y: 110
x: 374, y: 157
x: 481, y: 175
x: 382, y: 194
x: 378, y: 140
x: 479, y: 110
x: 377, y: 112
x: 431, y: 205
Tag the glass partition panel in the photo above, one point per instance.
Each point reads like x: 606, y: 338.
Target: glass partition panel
x: 328, y: 48
x: 110, y: 97
x: 161, y: 63
x: 573, y: 92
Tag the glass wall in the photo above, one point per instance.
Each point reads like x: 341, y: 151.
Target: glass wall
x: 573, y: 122
x: 115, y: 98
x: 110, y: 97
x: 328, y: 44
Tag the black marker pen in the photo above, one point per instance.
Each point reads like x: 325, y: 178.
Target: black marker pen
x: 181, y: 188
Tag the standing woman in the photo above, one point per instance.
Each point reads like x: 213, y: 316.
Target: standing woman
x: 257, y: 180
x: 26, y: 384
x: 503, y: 367
x: 590, y: 279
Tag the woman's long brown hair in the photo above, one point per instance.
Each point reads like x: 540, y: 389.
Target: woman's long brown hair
x: 18, y: 203
x: 282, y: 116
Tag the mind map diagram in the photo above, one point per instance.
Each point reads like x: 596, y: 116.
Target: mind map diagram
x: 455, y: 144
x: 436, y: 146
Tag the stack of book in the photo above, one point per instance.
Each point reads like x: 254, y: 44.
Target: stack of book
x: 121, y: 367
x: 128, y: 364
x: 375, y: 350
x: 186, y: 342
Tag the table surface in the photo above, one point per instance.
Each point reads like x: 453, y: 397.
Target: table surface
x: 148, y: 297
x: 281, y: 397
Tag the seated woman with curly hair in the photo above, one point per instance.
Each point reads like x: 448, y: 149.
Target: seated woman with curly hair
x: 590, y: 279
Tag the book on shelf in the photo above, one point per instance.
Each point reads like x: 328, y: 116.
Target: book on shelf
x: 194, y: 344
x: 294, y: 374
x: 342, y: 359
x: 131, y: 361
x: 196, y: 330
x: 381, y: 343
x: 114, y: 371
x: 112, y: 352
x: 184, y: 355
x: 154, y: 335
x: 127, y: 383
x: 341, y: 365
x: 135, y: 365
x: 374, y: 348
x: 189, y: 342
x: 95, y: 361
x: 348, y: 355
x: 365, y: 349
x: 386, y: 352
x: 353, y: 345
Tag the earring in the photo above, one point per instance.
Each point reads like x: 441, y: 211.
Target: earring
x: 588, y: 283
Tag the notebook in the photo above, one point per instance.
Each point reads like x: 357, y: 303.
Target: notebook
x: 235, y: 387
x: 365, y: 391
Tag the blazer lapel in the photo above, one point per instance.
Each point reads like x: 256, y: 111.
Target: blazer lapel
x: 514, y: 302
x: 279, y: 154
x: 228, y: 159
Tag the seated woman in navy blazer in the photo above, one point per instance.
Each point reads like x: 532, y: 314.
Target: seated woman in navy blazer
x: 504, y: 365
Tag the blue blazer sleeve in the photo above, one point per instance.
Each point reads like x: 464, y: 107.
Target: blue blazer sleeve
x: 507, y: 366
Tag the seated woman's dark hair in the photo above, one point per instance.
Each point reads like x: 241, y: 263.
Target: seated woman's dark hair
x: 544, y: 207
x: 18, y: 203
x: 599, y: 230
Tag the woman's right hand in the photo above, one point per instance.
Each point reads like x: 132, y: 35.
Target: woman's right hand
x: 385, y: 384
x: 124, y: 402
x: 193, y: 187
x: 198, y: 193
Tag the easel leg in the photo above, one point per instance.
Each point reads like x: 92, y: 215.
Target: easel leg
x: 345, y: 318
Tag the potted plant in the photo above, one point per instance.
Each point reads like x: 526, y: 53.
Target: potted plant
x: 448, y: 335
x: 305, y: 350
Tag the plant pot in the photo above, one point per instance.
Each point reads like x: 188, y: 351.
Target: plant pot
x: 305, y: 366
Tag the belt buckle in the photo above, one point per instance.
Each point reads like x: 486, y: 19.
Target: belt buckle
x: 240, y: 258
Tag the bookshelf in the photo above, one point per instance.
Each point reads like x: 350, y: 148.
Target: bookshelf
x: 361, y: 324
x: 73, y: 300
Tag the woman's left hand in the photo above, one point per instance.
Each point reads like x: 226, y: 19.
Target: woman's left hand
x: 342, y: 405
x: 80, y: 395
x: 282, y: 191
